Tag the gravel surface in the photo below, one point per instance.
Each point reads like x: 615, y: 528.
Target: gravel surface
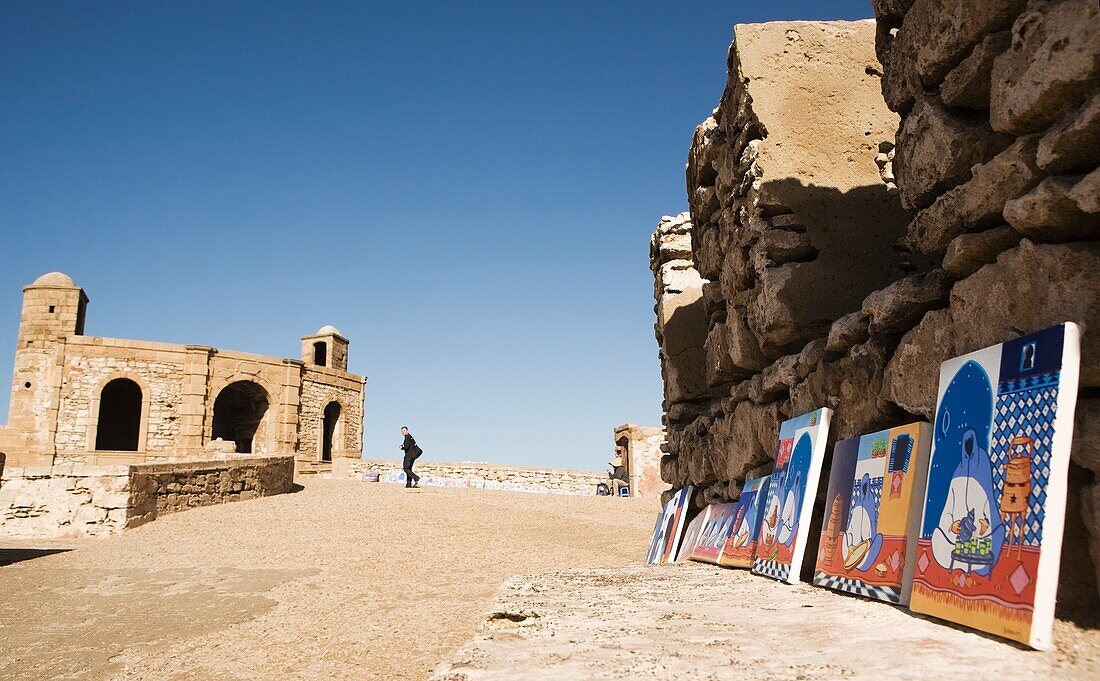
x: 340, y: 580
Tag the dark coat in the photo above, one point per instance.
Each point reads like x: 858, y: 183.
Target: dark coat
x: 411, y: 448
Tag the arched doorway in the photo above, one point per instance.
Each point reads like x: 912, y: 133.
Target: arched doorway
x: 119, y: 424
x: 238, y: 413
x: 329, y: 429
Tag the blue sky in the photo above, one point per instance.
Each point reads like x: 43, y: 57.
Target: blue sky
x: 465, y: 189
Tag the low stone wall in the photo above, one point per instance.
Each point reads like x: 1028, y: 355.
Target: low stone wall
x: 72, y: 500
x: 483, y: 476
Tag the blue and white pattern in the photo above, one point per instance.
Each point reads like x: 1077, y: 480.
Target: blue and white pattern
x: 771, y: 568
x: 876, y: 491
x: 1026, y: 407
x: 882, y: 593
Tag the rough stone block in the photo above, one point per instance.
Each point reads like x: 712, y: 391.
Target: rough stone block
x: 1029, y: 288
x: 1049, y: 213
x: 934, y: 37
x: 1051, y: 68
x: 967, y: 253
x: 1086, y: 193
x: 902, y: 304
x: 979, y: 202
x: 936, y: 149
x: 1086, y: 435
x: 1074, y: 142
x: 849, y: 330
x: 852, y: 387
x: 968, y: 83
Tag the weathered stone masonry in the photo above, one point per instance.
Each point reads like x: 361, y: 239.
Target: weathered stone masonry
x: 823, y: 266
x: 83, y: 399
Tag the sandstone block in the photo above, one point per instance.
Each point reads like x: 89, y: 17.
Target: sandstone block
x: 979, y: 202
x: 967, y: 253
x: 744, y: 348
x: 1049, y: 213
x: 1051, y: 68
x: 968, y: 83
x: 1074, y: 142
x: 902, y: 304
x: 936, y: 149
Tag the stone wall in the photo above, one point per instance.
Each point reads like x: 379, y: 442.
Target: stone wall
x: 316, y: 395
x: 977, y: 228
x: 482, y: 476
x: 272, y: 405
x: 69, y: 500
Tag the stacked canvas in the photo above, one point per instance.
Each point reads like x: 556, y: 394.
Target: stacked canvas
x: 691, y: 536
x: 784, y: 528
x: 991, y: 534
x: 873, y: 506
x: 740, y: 547
x: 716, y: 531
x: 670, y: 525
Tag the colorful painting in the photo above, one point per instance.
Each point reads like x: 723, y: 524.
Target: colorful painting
x: 670, y: 525
x: 691, y: 536
x: 991, y: 534
x: 715, y: 533
x: 740, y: 547
x: 786, y: 518
x: 873, y: 506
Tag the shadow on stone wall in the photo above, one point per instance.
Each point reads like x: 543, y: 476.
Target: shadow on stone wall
x: 853, y: 238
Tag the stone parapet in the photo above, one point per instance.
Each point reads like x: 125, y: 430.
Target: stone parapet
x: 481, y: 476
x: 72, y: 500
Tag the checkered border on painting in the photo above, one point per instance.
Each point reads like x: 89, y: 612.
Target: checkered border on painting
x: 1026, y: 407
x: 882, y: 593
x: 770, y: 568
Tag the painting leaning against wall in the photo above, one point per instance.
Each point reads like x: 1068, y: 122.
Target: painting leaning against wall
x: 991, y: 533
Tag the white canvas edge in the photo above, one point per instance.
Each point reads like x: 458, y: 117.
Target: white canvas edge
x: 685, y: 550
x: 678, y: 529
x: 916, y: 514
x: 1046, y: 581
x: 813, y: 477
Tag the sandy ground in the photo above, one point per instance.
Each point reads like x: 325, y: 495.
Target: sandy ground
x: 340, y: 580
x: 695, y: 621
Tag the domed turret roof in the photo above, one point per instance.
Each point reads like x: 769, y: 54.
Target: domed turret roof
x: 327, y: 329
x: 54, y: 279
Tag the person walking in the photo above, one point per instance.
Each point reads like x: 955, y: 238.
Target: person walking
x: 412, y: 453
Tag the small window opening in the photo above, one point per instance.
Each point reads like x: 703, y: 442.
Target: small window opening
x: 320, y: 353
x: 27, y: 384
x: 51, y: 309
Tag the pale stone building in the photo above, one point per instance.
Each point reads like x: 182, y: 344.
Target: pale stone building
x: 639, y: 449
x: 85, y: 399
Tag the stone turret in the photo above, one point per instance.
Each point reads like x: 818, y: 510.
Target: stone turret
x: 326, y: 348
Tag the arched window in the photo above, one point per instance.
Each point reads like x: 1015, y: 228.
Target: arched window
x: 119, y: 424
x: 329, y: 429
x: 238, y: 412
x: 320, y: 353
